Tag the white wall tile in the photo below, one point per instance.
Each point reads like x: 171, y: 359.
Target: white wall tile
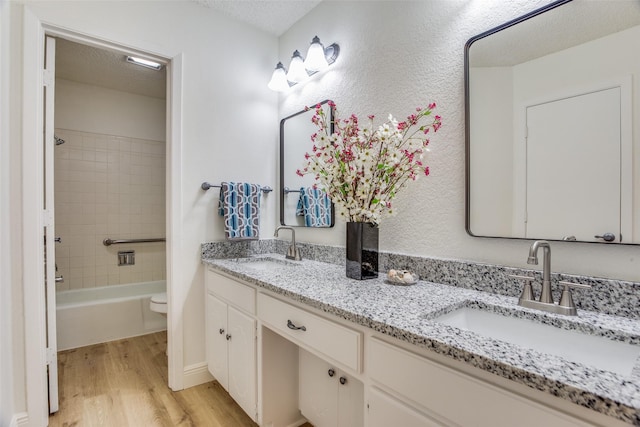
x: 108, y: 186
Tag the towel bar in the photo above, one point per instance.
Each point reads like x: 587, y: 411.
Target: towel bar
x: 287, y: 190
x: 205, y: 186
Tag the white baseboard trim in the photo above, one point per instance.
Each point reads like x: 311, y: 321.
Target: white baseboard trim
x: 21, y: 419
x: 196, y: 374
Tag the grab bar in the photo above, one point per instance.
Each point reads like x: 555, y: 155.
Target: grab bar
x: 109, y: 242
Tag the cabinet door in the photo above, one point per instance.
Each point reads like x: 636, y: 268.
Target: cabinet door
x: 318, y: 391
x: 350, y: 402
x: 216, y: 327
x: 386, y: 411
x: 242, y: 360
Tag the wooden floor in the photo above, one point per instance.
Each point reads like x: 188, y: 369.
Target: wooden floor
x: 124, y: 383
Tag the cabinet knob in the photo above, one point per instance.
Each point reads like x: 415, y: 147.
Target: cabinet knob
x: 343, y: 380
x: 607, y: 237
x: 221, y: 331
x: 228, y: 337
x: 331, y: 372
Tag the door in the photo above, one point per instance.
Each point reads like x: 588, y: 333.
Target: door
x: 49, y: 226
x: 578, y: 178
x: 216, y: 329
x: 384, y: 410
x: 318, y: 389
x: 242, y: 360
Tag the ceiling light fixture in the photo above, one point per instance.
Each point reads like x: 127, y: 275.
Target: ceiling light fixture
x: 144, y: 63
x: 318, y: 59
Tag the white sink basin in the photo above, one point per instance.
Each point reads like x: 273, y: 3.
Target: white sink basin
x: 266, y: 263
x: 595, y: 351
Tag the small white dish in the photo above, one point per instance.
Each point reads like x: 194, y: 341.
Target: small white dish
x: 401, y: 277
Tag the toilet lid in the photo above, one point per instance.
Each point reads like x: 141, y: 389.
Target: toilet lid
x: 159, y: 298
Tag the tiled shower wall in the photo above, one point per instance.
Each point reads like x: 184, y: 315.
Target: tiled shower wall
x: 108, y: 187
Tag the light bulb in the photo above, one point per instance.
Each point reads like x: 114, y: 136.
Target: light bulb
x: 278, y: 80
x: 297, y: 73
x: 316, y: 60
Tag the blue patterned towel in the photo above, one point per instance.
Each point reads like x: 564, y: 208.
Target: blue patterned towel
x: 240, y: 205
x: 315, y: 205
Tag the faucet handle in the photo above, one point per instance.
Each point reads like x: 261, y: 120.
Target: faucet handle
x: 527, y: 291
x: 566, y: 300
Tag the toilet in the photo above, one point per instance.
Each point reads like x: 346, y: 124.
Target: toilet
x: 158, y: 303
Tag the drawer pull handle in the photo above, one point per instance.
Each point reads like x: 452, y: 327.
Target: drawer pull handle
x: 291, y: 325
x: 221, y: 331
x: 343, y: 380
x: 331, y: 372
x: 228, y: 337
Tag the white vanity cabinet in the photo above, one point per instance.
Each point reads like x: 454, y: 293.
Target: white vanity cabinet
x: 328, y: 397
x: 231, y: 338
x: 420, y: 391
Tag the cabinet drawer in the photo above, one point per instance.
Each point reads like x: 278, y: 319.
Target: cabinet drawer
x: 326, y: 337
x: 443, y: 391
x: 235, y: 293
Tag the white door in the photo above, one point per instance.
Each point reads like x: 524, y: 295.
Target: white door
x: 242, y: 360
x: 318, y: 389
x: 49, y: 229
x: 574, y: 167
x: 350, y: 401
x: 384, y: 410
x: 216, y: 329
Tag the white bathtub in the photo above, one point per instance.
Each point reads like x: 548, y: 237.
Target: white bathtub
x: 97, y: 315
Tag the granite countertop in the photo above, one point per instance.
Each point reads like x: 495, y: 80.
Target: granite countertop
x: 407, y: 313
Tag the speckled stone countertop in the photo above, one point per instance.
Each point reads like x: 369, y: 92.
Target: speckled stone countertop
x: 408, y: 312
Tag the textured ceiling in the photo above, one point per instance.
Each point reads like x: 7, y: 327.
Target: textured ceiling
x: 105, y: 68
x: 272, y: 16
x: 566, y: 26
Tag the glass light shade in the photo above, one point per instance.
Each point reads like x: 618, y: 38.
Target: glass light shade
x: 316, y: 60
x: 278, y: 80
x: 297, y: 72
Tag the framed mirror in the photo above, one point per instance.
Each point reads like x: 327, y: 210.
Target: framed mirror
x: 299, y: 205
x: 553, y: 125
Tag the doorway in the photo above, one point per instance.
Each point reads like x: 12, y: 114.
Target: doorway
x: 109, y: 174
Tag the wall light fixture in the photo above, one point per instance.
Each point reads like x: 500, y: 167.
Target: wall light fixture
x: 318, y: 58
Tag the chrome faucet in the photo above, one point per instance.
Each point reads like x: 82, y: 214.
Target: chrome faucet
x: 545, y: 302
x: 292, y: 252
x: 545, y: 295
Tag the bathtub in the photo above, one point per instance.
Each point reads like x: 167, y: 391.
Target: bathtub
x: 97, y: 315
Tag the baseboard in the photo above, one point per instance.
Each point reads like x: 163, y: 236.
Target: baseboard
x: 196, y: 374
x: 21, y: 419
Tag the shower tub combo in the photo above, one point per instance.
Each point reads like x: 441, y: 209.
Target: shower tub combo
x: 96, y: 315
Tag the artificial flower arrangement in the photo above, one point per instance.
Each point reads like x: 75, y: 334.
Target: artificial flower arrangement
x: 363, y: 168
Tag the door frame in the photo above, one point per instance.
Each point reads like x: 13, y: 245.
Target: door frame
x: 34, y: 32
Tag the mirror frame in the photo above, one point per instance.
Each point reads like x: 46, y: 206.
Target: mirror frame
x: 282, y: 171
x: 467, y: 121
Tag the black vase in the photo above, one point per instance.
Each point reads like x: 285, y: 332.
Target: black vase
x: 362, y: 250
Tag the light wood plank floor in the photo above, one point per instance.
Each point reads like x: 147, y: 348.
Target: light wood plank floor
x: 124, y: 383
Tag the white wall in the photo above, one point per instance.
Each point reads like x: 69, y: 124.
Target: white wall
x: 88, y: 108
x: 394, y: 56
x: 229, y: 129
x: 492, y: 190
x: 6, y: 353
